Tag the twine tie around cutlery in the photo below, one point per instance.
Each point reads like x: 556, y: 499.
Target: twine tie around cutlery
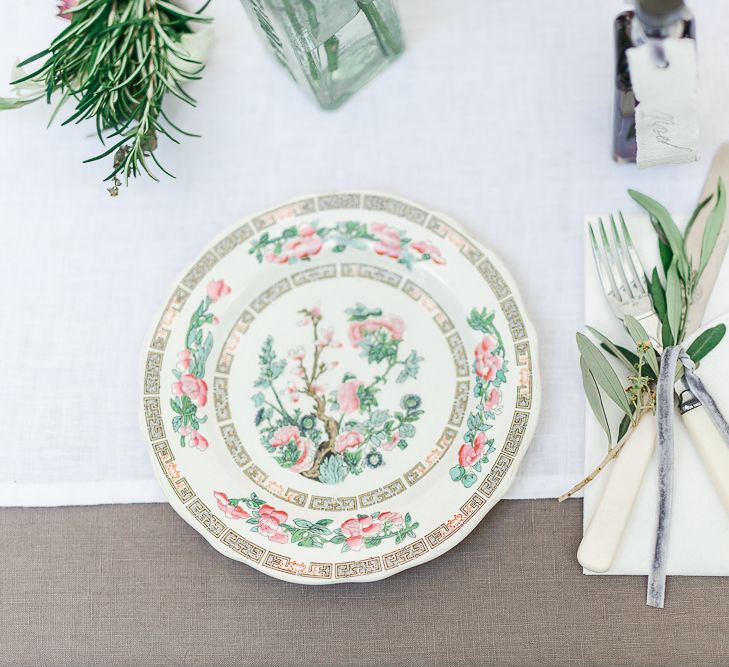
x: 664, y: 416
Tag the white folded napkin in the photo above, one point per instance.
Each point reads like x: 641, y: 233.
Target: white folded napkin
x: 699, y: 536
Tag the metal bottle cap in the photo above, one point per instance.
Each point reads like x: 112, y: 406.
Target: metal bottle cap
x: 659, y: 13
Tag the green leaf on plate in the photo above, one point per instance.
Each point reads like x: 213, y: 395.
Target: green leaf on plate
x: 594, y: 398
x: 603, y: 373
x: 706, y: 342
x: 713, y: 227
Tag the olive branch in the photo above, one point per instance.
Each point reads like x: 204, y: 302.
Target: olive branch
x: 672, y: 295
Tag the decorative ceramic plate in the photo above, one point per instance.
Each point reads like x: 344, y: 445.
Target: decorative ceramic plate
x: 340, y: 388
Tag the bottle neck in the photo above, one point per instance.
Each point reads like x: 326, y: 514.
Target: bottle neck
x: 644, y: 30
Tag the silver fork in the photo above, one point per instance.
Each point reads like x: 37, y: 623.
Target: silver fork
x: 623, y: 279
x: 626, y: 288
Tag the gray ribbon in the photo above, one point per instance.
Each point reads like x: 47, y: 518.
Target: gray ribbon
x: 664, y: 415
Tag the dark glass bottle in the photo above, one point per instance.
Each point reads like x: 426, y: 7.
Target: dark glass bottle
x: 650, y: 22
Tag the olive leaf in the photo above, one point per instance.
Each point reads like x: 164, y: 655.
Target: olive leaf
x: 713, y: 227
x: 640, y: 336
x: 674, y: 300
x: 594, y: 398
x: 614, y: 349
x: 658, y: 295
x: 701, y: 206
x: 706, y: 342
x: 673, y: 236
x: 623, y: 428
x: 603, y: 373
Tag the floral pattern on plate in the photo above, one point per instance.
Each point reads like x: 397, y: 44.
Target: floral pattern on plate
x: 489, y: 372
x: 307, y: 240
x: 327, y: 436
x: 190, y: 391
x: 364, y: 530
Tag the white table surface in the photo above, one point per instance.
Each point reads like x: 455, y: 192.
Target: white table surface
x: 499, y: 114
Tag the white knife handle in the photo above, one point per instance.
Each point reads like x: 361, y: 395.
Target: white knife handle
x: 712, y: 449
x: 602, y: 538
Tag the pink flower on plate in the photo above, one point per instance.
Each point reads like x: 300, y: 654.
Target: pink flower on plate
x: 469, y: 455
x: 197, y: 441
x: 348, y: 440
x: 355, y: 530
x: 388, y: 240
x: 64, y: 6
x: 425, y: 248
x: 194, y: 388
x: 394, y: 325
x: 183, y: 359
x: 269, y: 524
x: 347, y: 396
x: 493, y: 400
x: 284, y: 435
x: 308, y: 454
x: 231, y: 511
x: 487, y: 364
x: 391, y: 443
x: 393, y: 518
x: 273, y: 258
x: 307, y: 244
x: 293, y: 393
x: 216, y: 289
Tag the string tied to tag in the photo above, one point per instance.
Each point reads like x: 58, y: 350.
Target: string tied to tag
x: 664, y: 416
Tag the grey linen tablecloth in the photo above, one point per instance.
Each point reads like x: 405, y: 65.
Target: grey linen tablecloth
x: 135, y: 585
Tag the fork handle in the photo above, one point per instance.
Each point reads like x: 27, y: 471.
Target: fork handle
x: 711, y: 448
x: 603, y: 534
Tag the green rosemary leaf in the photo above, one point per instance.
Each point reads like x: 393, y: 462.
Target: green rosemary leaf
x: 603, y: 373
x: 706, y: 342
x: 594, y: 398
x: 713, y: 228
x: 109, y: 151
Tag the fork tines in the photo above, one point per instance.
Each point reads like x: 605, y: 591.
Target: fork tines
x: 620, y: 271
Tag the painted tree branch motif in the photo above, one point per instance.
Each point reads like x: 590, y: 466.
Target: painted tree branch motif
x: 301, y: 243
x: 190, y: 391
x: 364, y: 530
x: 328, y: 435
x: 489, y: 371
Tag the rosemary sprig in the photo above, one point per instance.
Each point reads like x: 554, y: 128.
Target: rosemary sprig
x: 118, y: 60
x: 672, y: 296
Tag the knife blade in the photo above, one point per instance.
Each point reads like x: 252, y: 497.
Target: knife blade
x: 705, y: 437
x: 719, y: 167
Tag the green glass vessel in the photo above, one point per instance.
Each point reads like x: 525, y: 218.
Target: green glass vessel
x: 331, y: 47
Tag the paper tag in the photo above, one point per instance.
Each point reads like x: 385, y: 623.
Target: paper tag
x: 667, y: 116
